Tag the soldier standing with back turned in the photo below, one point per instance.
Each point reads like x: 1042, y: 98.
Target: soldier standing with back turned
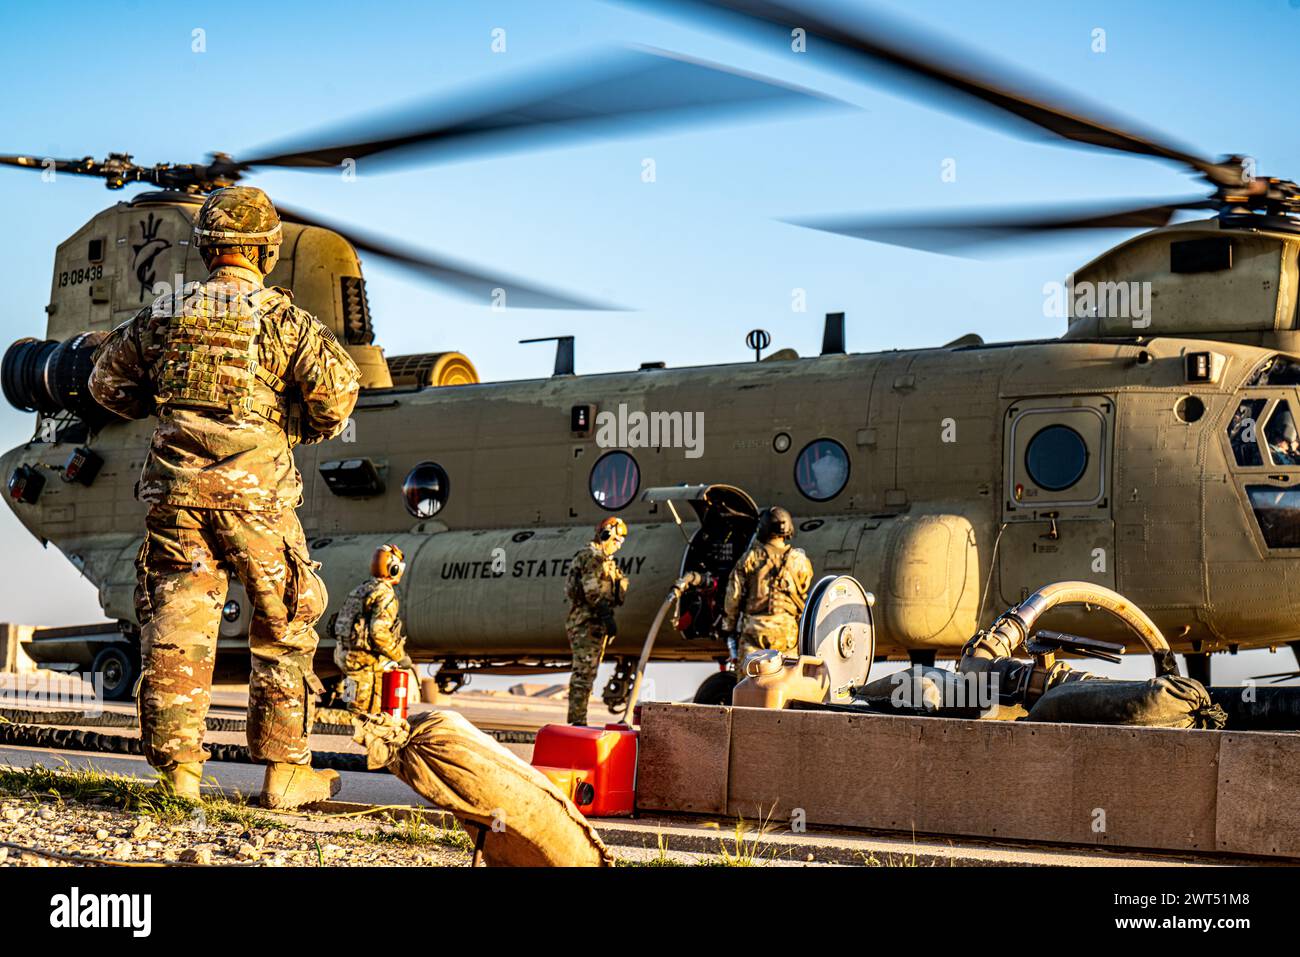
x: 368, y: 636
x: 237, y: 375
x: 595, y: 586
x: 767, y: 590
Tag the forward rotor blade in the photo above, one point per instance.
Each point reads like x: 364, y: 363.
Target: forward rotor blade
x: 612, y: 93
x: 863, y: 41
x: 466, y: 280
x: 951, y: 233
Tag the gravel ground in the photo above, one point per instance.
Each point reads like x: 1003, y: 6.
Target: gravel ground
x: 83, y: 833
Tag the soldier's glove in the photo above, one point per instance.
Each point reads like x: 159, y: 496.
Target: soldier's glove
x: 732, y: 639
x: 609, y: 625
x: 405, y: 663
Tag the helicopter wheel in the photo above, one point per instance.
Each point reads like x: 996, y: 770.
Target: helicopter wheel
x: 716, y: 688
x: 118, y: 667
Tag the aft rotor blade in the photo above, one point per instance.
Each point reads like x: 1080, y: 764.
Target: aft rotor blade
x: 945, y: 67
x: 466, y: 280
x: 952, y: 233
x: 613, y: 93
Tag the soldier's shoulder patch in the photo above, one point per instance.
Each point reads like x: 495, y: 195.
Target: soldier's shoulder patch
x: 313, y: 325
x: 325, y: 331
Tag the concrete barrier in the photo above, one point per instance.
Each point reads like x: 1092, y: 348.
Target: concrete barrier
x: 13, y: 660
x: 1105, y: 786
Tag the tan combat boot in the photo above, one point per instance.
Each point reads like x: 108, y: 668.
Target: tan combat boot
x: 183, y: 779
x: 289, y: 786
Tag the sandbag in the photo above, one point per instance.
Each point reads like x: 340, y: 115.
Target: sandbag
x: 456, y: 767
x: 927, y: 690
x: 1166, y: 702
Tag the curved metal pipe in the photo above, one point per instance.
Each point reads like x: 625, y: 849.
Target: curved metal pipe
x: 1013, y: 628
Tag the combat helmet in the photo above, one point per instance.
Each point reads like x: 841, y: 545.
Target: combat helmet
x: 774, y: 523
x: 237, y: 216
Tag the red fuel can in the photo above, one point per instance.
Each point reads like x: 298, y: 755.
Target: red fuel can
x: 595, y: 767
x: 395, y: 692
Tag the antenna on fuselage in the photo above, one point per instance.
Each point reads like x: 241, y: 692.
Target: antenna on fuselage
x: 563, y: 352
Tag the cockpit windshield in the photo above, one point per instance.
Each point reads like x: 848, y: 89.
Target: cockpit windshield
x: 1281, y: 436
x: 1242, y: 432
x: 1276, y: 370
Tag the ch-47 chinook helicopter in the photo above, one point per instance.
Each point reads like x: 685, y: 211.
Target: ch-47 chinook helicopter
x: 1157, y: 455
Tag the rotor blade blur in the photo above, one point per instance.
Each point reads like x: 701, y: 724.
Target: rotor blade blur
x: 944, y: 68
x: 85, y: 167
x: 626, y: 91
x: 953, y: 233
x: 1278, y: 677
x: 465, y: 280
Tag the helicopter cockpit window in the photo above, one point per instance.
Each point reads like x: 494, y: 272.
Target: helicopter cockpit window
x: 1281, y: 436
x: 1276, y: 370
x: 1278, y: 512
x: 822, y: 469
x: 426, y: 489
x: 1056, y: 457
x: 1242, y: 432
x: 614, y: 481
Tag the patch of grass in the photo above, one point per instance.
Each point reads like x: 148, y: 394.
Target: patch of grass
x: 132, y: 796
x: 661, y: 859
x: 91, y: 786
x: 456, y: 838
x: 869, y: 859
x: 234, y: 812
x: 413, y: 831
x: 744, y: 850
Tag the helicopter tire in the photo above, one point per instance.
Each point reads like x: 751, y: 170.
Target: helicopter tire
x: 716, y: 688
x: 119, y: 666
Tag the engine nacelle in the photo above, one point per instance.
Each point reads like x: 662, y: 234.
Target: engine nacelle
x: 42, y: 375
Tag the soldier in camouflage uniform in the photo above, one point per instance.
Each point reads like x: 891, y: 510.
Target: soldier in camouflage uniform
x: 367, y: 635
x: 595, y: 586
x: 767, y: 590
x: 237, y: 375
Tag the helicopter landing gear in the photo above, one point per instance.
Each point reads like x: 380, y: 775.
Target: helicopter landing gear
x: 716, y: 688
x: 619, y: 687
x: 449, y: 682
x: 921, y: 656
x: 1198, y: 667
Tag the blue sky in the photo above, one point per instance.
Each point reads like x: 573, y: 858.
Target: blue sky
x: 700, y: 253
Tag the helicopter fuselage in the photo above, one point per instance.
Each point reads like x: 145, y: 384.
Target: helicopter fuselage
x: 952, y: 481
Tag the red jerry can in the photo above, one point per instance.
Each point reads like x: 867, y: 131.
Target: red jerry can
x: 595, y: 767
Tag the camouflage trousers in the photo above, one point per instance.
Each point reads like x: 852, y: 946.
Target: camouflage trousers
x: 183, y: 570
x: 759, y: 632
x: 363, y: 688
x: 588, y: 641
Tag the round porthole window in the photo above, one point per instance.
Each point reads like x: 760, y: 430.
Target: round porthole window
x: 1056, y: 458
x: 615, y: 479
x: 426, y: 489
x: 822, y: 469
x: 1189, y: 409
